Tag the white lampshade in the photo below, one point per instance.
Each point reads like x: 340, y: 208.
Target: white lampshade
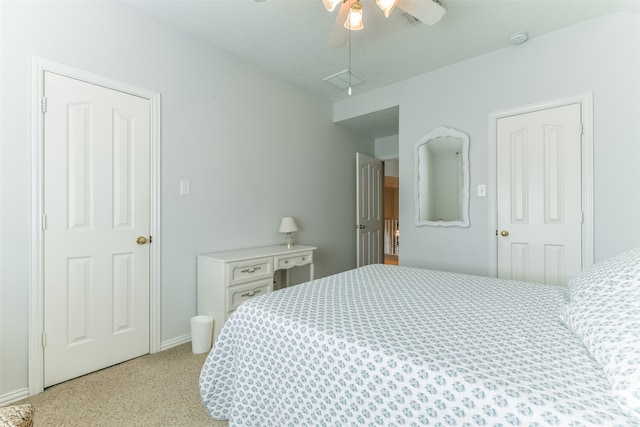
x: 288, y: 225
x: 331, y: 4
x: 386, y: 6
x: 354, y: 19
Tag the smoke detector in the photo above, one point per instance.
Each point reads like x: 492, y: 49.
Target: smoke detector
x: 518, y: 38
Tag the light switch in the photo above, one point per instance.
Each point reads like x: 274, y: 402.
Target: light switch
x: 482, y: 190
x: 185, y: 187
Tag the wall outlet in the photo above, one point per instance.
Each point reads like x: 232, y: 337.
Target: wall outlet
x: 185, y: 187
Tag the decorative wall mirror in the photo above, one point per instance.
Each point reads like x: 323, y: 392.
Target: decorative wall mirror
x: 442, y: 178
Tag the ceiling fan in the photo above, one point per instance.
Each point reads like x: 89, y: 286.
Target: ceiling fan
x: 350, y: 15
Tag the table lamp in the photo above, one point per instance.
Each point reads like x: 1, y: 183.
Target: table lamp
x: 288, y: 226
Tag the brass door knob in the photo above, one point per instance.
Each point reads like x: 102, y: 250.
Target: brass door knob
x: 504, y: 233
x: 141, y: 240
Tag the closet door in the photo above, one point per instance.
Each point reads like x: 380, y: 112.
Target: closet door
x: 539, y: 185
x: 97, y: 215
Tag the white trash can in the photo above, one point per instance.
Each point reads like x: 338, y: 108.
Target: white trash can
x: 201, y: 333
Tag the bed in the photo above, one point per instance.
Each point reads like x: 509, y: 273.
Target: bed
x: 392, y: 345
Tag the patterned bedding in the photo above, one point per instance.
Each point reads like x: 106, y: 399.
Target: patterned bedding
x: 388, y: 345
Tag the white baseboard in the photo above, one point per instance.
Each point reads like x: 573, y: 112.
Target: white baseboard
x: 183, y: 339
x: 14, y: 396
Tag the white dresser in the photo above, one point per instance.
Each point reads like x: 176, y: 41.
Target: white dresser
x: 228, y: 278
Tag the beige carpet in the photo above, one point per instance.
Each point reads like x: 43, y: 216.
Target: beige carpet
x: 154, y: 390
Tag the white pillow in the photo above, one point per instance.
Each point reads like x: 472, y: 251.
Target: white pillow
x: 604, y: 312
x: 605, y: 273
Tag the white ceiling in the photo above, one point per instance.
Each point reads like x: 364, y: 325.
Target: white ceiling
x: 290, y: 37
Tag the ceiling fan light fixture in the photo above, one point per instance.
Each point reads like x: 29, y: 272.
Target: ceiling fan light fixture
x: 331, y: 4
x: 386, y: 6
x: 354, y: 19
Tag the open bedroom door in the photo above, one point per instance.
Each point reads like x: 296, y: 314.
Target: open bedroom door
x: 368, y: 210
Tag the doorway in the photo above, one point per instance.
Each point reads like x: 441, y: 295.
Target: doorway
x: 37, y: 338
x: 390, y: 199
x: 541, y: 178
x: 96, y: 233
x: 369, y: 181
x: 382, y: 127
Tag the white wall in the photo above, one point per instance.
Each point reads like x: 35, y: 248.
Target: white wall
x: 386, y: 148
x: 254, y: 147
x: 391, y: 167
x: 600, y: 56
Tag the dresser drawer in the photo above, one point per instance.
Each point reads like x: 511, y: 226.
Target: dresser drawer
x: 288, y: 261
x: 239, y: 294
x: 228, y: 278
x: 246, y: 271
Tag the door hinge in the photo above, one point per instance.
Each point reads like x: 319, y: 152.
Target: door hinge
x: 44, y: 339
x: 43, y: 103
x: 581, y: 128
x: 44, y: 222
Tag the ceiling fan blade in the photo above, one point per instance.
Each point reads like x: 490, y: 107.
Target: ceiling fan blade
x: 428, y: 11
x: 339, y: 33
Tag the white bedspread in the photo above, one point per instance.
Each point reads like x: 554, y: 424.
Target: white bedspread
x: 386, y: 345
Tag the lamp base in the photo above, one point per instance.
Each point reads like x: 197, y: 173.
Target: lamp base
x: 288, y: 243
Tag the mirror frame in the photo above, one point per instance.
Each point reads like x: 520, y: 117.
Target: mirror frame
x: 434, y: 134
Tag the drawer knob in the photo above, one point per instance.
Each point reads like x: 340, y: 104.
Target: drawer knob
x: 251, y: 269
x: 251, y: 293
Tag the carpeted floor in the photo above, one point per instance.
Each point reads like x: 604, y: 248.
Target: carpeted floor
x: 154, y: 390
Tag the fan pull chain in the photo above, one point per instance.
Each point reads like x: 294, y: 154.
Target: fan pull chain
x: 349, y: 91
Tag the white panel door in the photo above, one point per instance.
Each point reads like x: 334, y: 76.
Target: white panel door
x: 540, y: 195
x: 369, y: 210
x: 96, y: 205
